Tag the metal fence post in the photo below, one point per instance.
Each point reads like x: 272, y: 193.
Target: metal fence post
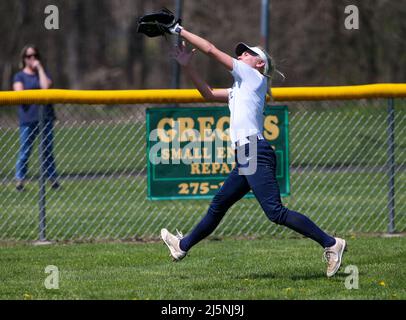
x: 178, y: 40
x: 42, y: 161
x: 391, y: 165
x: 265, y: 24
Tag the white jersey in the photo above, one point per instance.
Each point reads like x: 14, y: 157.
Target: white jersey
x: 246, y: 101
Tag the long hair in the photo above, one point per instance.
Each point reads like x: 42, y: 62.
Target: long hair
x: 24, y: 50
x: 272, y: 67
x: 271, y: 71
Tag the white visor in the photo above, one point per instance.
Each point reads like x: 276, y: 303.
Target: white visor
x: 242, y: 47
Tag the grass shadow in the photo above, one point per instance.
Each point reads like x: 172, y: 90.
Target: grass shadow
x: 308, y: 276
x: 316, y: 275
x: 256, y: 276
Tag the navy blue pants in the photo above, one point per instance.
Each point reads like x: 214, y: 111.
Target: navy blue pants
x: 265, y: 187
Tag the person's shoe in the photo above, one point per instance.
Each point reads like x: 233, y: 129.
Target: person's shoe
x: 20, y: 186
x: 333, y: 256
x: 173, y: 242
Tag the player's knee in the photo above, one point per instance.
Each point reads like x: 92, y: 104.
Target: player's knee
x: 219, y: 205
x: 276, y: 212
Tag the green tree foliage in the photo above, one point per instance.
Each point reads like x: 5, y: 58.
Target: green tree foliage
x: 97, y: 46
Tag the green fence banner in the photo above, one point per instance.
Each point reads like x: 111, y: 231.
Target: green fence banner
x: 189, y: 152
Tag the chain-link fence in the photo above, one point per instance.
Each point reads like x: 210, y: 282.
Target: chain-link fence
x: 347, y: 173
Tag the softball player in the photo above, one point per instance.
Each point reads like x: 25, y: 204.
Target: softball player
x: 246, y: 99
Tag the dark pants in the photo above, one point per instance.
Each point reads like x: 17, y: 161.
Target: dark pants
x: 265, y: 187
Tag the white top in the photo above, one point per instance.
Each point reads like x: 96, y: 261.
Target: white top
x: 246, y: 101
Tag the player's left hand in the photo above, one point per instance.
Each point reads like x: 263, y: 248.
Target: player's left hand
x: 182, y: 55
x: 159, y: 23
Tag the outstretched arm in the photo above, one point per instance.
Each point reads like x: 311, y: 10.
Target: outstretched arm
x: 183, y: 57
x: 206, y: 47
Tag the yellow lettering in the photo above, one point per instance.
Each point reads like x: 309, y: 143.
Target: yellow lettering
x: 206, y: 168
x: 210, y: 168
x: 225, y: 169
x: 220, y: 128
x: 165, y: 154
x: 184, y: 189
x: 271, y: 128
x: 221, y: 152
x: 230, y: 152
x: 188, y: 154
x: 216, y: 168
x: 206, y: 154
x: 186, y: 129
x: 195, y: 168
x: 166, y: 135
x: 197, y: 153
x: 205, y: 127
x: 176, y: 154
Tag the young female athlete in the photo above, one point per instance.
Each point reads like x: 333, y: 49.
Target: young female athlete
x: 246, y: 99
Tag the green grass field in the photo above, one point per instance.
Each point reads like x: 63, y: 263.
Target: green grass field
x: 230, y: 269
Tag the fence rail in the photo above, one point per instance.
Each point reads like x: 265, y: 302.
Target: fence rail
x: 347, y: 165
x: 370, y: 91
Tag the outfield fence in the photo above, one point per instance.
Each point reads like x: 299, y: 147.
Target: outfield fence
x: 347, y: 166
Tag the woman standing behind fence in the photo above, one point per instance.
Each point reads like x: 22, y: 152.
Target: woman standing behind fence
x: 33, y: 76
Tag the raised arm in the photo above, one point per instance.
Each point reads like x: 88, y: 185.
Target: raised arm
x: 184, y: 58
x: 205, y: 46
x: 44, y: 81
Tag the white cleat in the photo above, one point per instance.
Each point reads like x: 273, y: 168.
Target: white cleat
x: 173, y: 242
x: 333, y: 256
